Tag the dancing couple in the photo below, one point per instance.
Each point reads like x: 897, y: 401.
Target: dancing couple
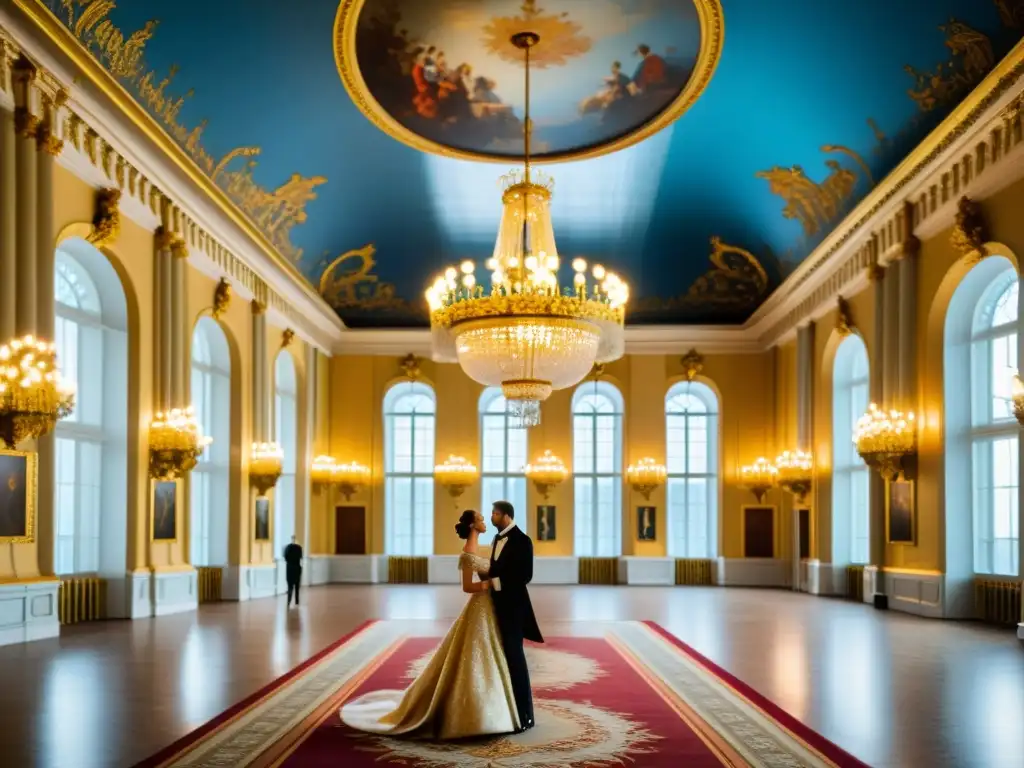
x: 477, y: 682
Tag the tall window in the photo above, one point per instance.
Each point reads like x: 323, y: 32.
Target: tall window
x: 503, y: 456
x: 597, y: 469
x: 91, y: 448
x: 211, y: 397
x: 409, y: 419
x: 851, y: 506
x: 691, y: 431
x: 286, y: 397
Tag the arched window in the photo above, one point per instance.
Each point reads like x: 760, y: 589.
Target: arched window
x: 286, y: 407
x: 597, y: 469
x: 691, y: 458
x: 90, y: 334
x: 851, y: 500
x: 409, y: 419
x: 981, y: 440
x: 211, y: 398
x: 503, y: 456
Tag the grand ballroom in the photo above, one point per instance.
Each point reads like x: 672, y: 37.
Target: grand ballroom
x: 290, y: 291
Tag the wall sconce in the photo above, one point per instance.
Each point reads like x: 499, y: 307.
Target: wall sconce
x: 176, y: 441
x: 759, y: 478
x: 1018, y: 399
x: 885, y: 440
x: 350, y: 478
x: 546, y: 474
x: 795, y: 473
x: 265, y: 466
x: 33, y: 395
x: 456, y: 475
x: 645, y: 476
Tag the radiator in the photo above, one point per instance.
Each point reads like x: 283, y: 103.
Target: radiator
x: 599, y: 570
x: 855, y: 583
x: 210, y: 580
x: 693, y: 572
x: 997, y: 601
x: 81, y: 598
x: 407, y: 570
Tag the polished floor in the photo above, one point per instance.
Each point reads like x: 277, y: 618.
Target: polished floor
x: 892, y: 689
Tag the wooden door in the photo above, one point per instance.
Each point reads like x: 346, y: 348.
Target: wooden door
x: 759, y: 531
x: 350, y: 530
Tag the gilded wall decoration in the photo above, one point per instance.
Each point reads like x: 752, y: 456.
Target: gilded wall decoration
x: 844, y: 320
x: 348, y: 284
x: 287, y: 337
x: 969, y: 232
x: 274, y: 211
x: 1011, y: 13
x: 734, y: 286
x: 221, y: 298
x: 106, y: 221
x: 693, y: 364
x: 410, y: 366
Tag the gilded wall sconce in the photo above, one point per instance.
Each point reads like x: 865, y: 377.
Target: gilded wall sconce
x: 646, y: 476
x: 885, y: 440
x: 33, y: 394
x: 176, y: 441
x: 759, y: 478
x: 546, y: 474
x: 795, y: 473
x: 455, y: 475
x: 266, y: 464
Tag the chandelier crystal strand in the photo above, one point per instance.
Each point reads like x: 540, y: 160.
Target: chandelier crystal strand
x: 526, y: 334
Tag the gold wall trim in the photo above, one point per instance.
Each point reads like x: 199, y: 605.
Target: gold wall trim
x: 119, y: 169
x: 712, y: 37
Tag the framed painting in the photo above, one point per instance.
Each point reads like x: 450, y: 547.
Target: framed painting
x: 546, y: 523
x: 261, y: 521
x: 758, y: 531
x: 165, y: 510
x: 18, y: 496
x: 646, y: 524
x: 900, y: 523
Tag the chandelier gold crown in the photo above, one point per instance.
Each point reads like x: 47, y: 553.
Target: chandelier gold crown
x: 523, y: 332
x: 33, y: 394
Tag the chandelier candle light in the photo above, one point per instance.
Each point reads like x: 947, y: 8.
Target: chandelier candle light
x: 885, y: 439
x: 795, y: 473
x: 546, y: 474
x: 33, y: 395
x: 759, y: 478
x: 645, y: 476
x: 176, y: 441
x: 456, y: 475
x: 351, y: 477
x: 1018, y: 399
x: 265, y: 466
x: 525, y: 334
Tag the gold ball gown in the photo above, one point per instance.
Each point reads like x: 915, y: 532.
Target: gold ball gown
x: 465, y: 689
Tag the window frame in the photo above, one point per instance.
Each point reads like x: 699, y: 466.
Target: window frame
x: 421, y: 532
x: 591, y: 545
x: 710, y: 415
x: 848, y: 468
x: 513, y: 483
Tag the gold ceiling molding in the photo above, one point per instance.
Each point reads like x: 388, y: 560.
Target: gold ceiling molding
x: 275, y: 212
x: 712, y: 33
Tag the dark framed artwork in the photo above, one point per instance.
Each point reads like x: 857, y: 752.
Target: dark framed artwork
x: 758, y: 531
x: 804, y: 516
x: 899, y: 511
x: 547, y: 526
x: 18, y: 497
x: 165, y: 510
x: 646, y: 524
x: 261, y: 522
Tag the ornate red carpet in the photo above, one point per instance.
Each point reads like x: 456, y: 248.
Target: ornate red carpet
x: 634, y: 695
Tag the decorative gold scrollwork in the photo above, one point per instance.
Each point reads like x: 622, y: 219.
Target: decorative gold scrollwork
x: 969, y: 231
x: 106, y: 221
x: 693, y: 364
x: 221, y: 297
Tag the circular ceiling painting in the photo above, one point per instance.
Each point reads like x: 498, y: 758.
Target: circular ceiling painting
x: 444, y: 77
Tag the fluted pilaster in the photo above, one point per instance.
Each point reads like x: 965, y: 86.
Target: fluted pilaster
x: 805, y: 387
x: 8, y: 224
x: 890, y: 337
x: 260, y: 401
x: 163, y: 321
x: 178, y: 309
x: 877, y: 276
x: 26, y: 126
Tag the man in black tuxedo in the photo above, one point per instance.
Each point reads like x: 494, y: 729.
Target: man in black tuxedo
x: 511, y: 570
x: 293, y: 569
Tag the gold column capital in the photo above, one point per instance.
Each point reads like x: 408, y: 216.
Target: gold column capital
x: 179, y: 249
x: 876, y: 272
x: 163, y: 238
x: 26, y: 124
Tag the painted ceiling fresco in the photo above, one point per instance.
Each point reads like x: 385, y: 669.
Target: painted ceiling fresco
x: 344, y: 137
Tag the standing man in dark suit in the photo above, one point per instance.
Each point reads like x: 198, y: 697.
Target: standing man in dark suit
x: 293, y: 569
x: 511, y: 570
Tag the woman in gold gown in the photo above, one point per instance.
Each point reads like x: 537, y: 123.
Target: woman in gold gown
x: 465, y: 689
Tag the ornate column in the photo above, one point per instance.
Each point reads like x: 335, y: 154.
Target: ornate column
x: 876, y: 385
x: 179, y: 331
x: 26, y: 126
x: 890, y: 337
x: 8, y: 206
x: 804, y: 427
x: 260, y: 406
x: 906, y: 391
x: 162, y: 322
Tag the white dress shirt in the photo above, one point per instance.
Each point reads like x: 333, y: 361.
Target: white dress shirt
x: 498, y: 546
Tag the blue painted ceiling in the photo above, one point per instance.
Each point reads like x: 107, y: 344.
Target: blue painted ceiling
x: 811, y: 104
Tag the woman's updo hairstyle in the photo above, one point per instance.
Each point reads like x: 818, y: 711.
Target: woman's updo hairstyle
x: 465, y: 524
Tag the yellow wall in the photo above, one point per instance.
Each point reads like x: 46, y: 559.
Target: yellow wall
x: 745, y: 384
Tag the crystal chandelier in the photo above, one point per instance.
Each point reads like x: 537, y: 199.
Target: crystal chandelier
x: 546, y: 474
x: 525, y: 334
x: 176, y: 441
x: 795, y: 473
x: 645, y: 476
x: 266, y: 462
x: 1018, y: 399
x: 759, y: 478
x: 33, y: 396
x: 884, y: 439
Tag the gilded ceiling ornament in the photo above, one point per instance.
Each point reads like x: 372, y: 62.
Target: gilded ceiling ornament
x: 274, y: 212
x: 410, y: 366
x: 348, y: 283
x: 106, y: 222
x: 970, y: 58
x: 287, y: 337
x: 969, y: 232
x: 844, y: 321
x: 693, y: 364
x: 1011, y: 13
x: 561, y: 39
x: 221, y: 297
